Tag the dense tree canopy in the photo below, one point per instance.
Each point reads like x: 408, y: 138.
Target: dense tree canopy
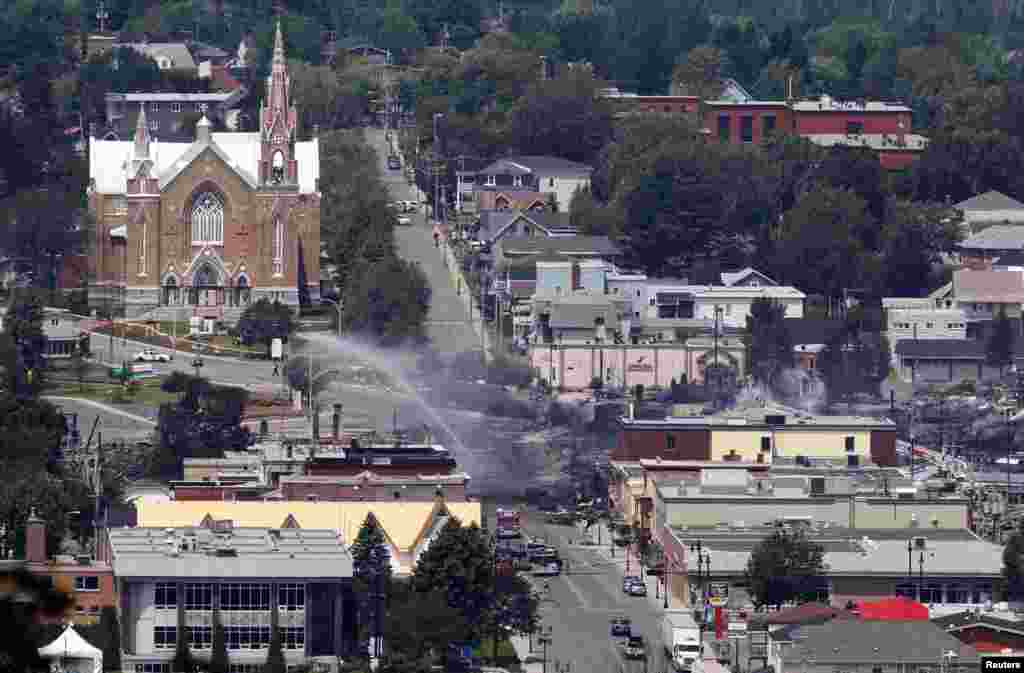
x: 785, y: 566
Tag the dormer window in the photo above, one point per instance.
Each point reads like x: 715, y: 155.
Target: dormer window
x: 517, y: 181
x: 491, y: 181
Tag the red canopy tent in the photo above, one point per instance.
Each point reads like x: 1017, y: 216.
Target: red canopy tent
x: 895, y: 608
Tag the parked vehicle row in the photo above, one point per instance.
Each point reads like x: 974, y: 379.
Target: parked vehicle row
x: 634, y: 586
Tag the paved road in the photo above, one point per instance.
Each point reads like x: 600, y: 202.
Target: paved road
x: 584, y: 600
x: 114, y: 423
x: 449, y: 328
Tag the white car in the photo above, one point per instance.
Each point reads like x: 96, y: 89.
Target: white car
x: 405, y: 221
x: 150, y: 355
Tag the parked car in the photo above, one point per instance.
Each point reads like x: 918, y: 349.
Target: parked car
x: 394, y: 163
x: 410, y: 206
x: 628, y: 581
x: 405, y: 221
x: 634, y: 648
x: 150, y: 355
x: 637, y: 589
x: 622, y: 627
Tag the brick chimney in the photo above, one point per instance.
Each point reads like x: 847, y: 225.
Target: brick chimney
x: 35, y: 539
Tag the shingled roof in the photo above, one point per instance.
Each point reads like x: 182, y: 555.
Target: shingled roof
x: 850, y: 641
x: 990, y: 200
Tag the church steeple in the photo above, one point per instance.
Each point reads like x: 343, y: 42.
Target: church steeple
x: 142, y: 134
x: 278, y: 119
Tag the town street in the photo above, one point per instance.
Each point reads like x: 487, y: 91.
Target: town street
x: 449, y: 326
x: 585, y: 598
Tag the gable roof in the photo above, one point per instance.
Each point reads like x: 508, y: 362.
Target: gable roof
x: 807, y: 613
x: 546, y: 165
x: 730, y: 278
x: 536, y: 245
x: 996, y: 237
x: 401, y: 520
x: 990, y: 200
x: 970, y: 285
x: 176, y: 52
x: 109, y: 160
x: 517, y: 199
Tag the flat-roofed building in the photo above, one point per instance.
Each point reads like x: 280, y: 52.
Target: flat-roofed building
x: 174, y: 577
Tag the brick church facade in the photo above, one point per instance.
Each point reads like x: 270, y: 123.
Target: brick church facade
x: 205, y: 228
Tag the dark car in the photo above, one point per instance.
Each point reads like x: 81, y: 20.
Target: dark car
x: 628, y: 581
x: 635, y: 648
x: 622, y: 627
x: 394, y: 163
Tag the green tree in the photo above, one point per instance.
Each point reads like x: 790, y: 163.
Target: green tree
x: 110, y: 626
x: 388, y: 302
x: 819, y: 249
x: 31, y: 598
x: 768, y: 342
x: 1013, y: 566
x: 399, y: 32
x: 914, y: 237
x: 999, y: 349
x: 564, y: 117
x: 263, y: 321
x: 23, y: 349
x: 183, y: 661
x: 371, y: 561
x: 219, y: 660
x: 785, y: 566
x: 702, y: 73
x: 460, y: 565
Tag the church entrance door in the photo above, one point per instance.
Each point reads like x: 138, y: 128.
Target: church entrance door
x: 206, y: 288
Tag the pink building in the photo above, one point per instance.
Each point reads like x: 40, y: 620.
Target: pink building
x: 574, y: 367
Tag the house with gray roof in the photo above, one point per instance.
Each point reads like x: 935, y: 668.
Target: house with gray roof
x: 170, y: 116
x: 867, y: 645
x: 990, y: 208
x: 242, y: 575
x: 537, y: 173
x: 168, y: 55
x: 497, y: 224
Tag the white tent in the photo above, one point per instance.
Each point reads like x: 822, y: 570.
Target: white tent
x: 71, y: 652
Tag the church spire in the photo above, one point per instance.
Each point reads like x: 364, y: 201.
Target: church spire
x: 142, y: 134
x: 278, y: 45
x: 278, y: 121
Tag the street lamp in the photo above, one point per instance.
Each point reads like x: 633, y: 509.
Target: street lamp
x: 337, y: 307
x: 545, y: 640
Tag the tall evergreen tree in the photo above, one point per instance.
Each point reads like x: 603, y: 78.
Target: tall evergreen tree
x: 999, y: 348
x: 302, y: 281
x: 219, y: 661
x: 768, y: 342
x: 22, y: 349
x: 183, y: 661
x: 111, y: 628
x: 275, y: 654
x: 371, y: 561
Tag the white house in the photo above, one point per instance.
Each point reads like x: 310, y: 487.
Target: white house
x: 535, y: 173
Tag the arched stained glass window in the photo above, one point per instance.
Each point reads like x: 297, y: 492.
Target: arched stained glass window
x: 208, y: 220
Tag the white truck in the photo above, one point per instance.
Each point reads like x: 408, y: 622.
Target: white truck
x: 680, y: 636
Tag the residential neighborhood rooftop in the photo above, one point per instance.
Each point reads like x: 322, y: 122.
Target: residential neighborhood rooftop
x: 598, y: 245
x: 996, y: 237
x: 1003, y: 286
x: 844, y: 642
x: 990, y: 200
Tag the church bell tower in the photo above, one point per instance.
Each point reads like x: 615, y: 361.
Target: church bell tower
x: 278, y: 119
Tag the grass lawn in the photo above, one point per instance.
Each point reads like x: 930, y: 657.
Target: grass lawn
x: 145, y: 391
x: 486, y: 650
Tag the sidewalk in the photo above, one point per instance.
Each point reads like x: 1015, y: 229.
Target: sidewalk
x: 531, y: 662
x: 604, y: 550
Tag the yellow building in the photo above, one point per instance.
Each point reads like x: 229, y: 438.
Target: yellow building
x: 408, y: 526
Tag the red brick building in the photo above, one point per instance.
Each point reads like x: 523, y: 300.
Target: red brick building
x: 625, y: 105
x: 88, y: 581
x: 880, y: 126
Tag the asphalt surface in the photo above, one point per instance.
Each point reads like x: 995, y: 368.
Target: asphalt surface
x: 449, y: 326
x: 582, y: 602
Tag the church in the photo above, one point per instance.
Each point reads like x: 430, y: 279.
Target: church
x: 203, y: 229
